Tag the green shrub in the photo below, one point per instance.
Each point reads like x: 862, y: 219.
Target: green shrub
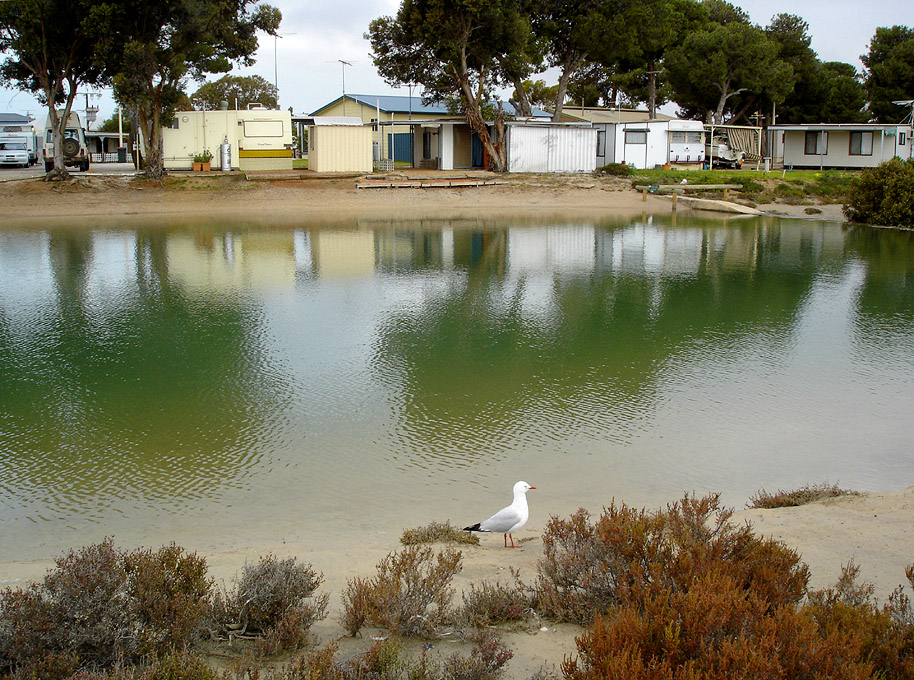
x: 274, y: 599
x: 410, y: 595
x: 883, y: 195
x: 802, y: 496
x: 588, y: 568
x: 616, y: 169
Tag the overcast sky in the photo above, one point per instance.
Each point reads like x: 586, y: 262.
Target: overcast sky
x: 316, y: 35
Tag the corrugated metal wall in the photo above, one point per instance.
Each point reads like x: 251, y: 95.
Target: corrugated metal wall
x: 342, y: 148
x: 540, y: 148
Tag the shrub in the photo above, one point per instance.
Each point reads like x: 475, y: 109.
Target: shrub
x: 883, y: 195
x: 616, y: 169
x: 484, y: 662
x: 802, y: 496
x: 410, y: 594
x: 100, y: 607
x: 587, y: 568
x: 438, y: 532
x: 492, y: 603
x: 273, y: 598
x: 169, y: 595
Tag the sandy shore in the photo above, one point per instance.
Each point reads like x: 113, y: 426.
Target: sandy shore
x: 875, y: 530
x: 291, y: 199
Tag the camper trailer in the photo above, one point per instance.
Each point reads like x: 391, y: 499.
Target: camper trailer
x: 75, y: 151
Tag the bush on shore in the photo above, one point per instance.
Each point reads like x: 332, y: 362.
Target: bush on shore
x: 883, y: 195
x: 801, y: 496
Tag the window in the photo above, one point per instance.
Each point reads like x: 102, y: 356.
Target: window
x: 601, y: 143
x: 677, y: 137
x: 426, y: 144
x: 816, y: 143
x: 636, y: 136
x: 695, y: 137
x: 861, y: 144
x: 901, y: 139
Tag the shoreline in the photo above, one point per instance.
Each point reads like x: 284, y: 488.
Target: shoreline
x: 873, y: 529
x: 277, y: 201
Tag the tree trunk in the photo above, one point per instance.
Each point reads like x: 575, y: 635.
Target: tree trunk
x: 474, y: 102
x: 571, y: 64
x: 524, y: 109
x: 153, y: 156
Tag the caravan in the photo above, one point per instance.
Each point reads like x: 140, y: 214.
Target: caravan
x: 20, y: 137
x: 75, y: 151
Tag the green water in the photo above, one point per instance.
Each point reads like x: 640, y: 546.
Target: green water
x: 245, y: 386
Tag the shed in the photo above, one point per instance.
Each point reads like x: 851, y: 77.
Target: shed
x: 556, y: 147
x: 261, y: 139
x: 339, y: 144
x: 841, y: 145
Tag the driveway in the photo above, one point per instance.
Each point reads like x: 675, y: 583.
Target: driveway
x: 10, y: 173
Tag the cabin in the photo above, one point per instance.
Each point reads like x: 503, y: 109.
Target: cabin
x: 651, y: 143
x: 841, y: 145
x: 550, y: 147
x: 419, y: 135
x: 339, y: 144
x: 260, y: 138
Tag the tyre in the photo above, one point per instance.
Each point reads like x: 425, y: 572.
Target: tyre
x: 70, y: 147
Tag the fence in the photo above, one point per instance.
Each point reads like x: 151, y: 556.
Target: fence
x: 103, y: 157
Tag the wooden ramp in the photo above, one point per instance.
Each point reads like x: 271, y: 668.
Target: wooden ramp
x: 427, y: 183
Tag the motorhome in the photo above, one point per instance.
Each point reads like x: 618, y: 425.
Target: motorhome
x: 75, y: 151
x: 14, y: 136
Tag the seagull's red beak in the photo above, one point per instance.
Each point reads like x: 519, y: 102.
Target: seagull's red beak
x: 531, y: 488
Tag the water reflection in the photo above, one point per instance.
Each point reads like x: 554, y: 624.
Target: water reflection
x: 248, y: 377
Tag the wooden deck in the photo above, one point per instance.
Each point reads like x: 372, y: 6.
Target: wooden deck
x: 427, y: 183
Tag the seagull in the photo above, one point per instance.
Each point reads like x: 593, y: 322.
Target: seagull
x: 510, y: 519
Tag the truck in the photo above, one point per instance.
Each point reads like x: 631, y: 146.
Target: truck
x: 75, y: 150
x: 17, y: 135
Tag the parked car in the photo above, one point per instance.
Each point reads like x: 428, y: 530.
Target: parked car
x: 14, y: 153
x: 75, y: 151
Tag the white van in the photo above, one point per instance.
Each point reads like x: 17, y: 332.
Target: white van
x: 75, y: 151
x: 21, y: 134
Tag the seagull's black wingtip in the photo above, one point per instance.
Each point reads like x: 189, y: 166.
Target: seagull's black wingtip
x: 475, y: 527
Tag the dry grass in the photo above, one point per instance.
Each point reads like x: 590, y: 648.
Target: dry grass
x: 438, y: 532
x: 802, y: 496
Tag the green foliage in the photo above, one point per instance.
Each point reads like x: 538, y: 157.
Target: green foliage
x: 275, y: 599
x: 238, y: 91
x: 205, y: 157
x: 713, y: 65
x: 801, y: 496
x: 628, y: 555
x: 438, y: 532
x: 616, y: 169
x: 410, y: 595
x: 883, y: 195
x: 111, y: 124
x: 889, y: 74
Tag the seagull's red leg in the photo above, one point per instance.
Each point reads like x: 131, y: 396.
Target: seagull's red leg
x: 506, y: 540
x: 512, y: 541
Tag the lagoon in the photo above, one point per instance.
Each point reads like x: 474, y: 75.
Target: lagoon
x: 225, y: 385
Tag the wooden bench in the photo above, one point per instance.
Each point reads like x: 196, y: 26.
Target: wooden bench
x: 682, y: 188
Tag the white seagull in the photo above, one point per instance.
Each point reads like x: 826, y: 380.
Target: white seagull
x: 510, y: 519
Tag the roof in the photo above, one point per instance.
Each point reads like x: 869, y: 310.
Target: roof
x: 838, y: 126
x: 600, y: 114
x: 14, y: 119
x: 392, y: 103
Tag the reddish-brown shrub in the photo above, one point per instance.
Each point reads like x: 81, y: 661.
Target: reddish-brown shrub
x: 627, y: 554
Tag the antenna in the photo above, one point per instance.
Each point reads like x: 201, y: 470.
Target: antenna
x: 909, y: 119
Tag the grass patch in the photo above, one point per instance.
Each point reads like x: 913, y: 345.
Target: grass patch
x: 802, y: 496
x: 438, y: 532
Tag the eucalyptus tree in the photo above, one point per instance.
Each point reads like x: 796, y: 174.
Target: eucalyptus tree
x: 889, y: 72
x: 49, y: 51
x: 237, y: 90
x: 457, y: 50
x: 159, y: 44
